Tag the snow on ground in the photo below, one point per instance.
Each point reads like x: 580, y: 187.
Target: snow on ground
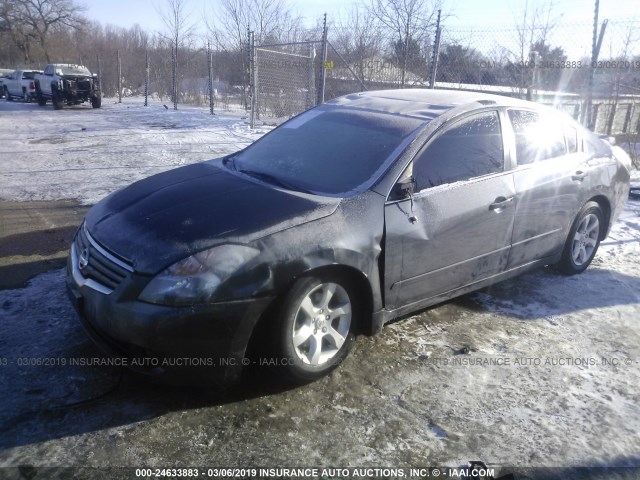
x: 551, y: 376
x: 82, y: 153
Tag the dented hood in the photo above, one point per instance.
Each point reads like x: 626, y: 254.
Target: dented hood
x: 167, y: 217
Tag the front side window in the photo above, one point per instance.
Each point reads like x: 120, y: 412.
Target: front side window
x: 538, y: 137
x: 470, y: 148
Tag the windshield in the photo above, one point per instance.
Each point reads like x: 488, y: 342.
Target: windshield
x: 73, y: 70
x: 327, y: 150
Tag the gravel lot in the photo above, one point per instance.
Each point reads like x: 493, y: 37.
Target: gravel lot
x: 540, y: 371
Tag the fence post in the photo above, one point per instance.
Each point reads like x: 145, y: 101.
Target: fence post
x: 174, y: 75
x: 246, y: 78
x: 436, y: 54
x: 311, y: 77
x: 253, y: 78
x: 99, y: 72
x: 119, y: 76
x: 210, y: 70
x: 146, y: 79
x: 321, y: 85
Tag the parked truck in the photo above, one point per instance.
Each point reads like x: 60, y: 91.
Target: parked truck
x: 67, y: 84
x: 4, y: 73
x: 20, y: 84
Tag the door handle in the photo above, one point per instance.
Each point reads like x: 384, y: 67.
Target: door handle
x: 499, y: 203
x: 579, y: 176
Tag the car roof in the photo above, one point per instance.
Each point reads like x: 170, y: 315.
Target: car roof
x: 423, y: 103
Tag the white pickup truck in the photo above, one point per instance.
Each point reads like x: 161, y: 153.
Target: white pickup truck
x: 19, y: 84
x: 67, y: 84
x: 4, y: 73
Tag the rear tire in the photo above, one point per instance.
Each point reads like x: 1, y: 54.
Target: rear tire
x: 56, y: 99
x: 6, y: 95
x: 25, y: 96
x: 315, y: 331
x: 41, y: 100
x: 583, y: 240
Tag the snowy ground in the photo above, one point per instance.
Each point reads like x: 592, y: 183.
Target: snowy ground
x: 84, y: 154
x: 551, y: 377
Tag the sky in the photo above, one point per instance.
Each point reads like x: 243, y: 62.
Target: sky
x: 126, y: 13
x: 460, y: 15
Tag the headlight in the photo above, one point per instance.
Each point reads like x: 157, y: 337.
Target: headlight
x: 195, y: 279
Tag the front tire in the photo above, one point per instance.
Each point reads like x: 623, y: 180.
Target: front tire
x: 316, y: 328
x: 56, y: 99
x: 583, y: 240
x: 96, y: 101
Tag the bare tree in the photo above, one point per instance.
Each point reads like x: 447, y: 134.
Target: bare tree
x: 29, y: 21
x: 177, y: 20
x: 359, y: 38
x: 270, y: 20
x: 181, y: 29
x: 533, y: 24
x: 407, y: 21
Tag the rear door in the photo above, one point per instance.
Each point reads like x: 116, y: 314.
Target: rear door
x: 457, y: 228
x: 548, y: 177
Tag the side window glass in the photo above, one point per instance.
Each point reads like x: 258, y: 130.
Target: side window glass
x: 571, y: 134
x: 537, y: 137
x: 471, y: 147
x: 594, y: 146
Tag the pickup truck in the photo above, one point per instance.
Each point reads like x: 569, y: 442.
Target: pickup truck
x: 19, y: 84
x: 67, y: 83
x: 4, y: 73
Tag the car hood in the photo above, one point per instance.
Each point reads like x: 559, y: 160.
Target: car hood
x: 167, y: 217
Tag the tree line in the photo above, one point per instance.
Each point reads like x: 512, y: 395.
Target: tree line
x: 396, y: 33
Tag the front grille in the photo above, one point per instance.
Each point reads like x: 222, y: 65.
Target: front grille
x: 84, y: 85
x: 95, y: 264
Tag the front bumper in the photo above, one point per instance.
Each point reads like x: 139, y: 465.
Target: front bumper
x: 200, y: 344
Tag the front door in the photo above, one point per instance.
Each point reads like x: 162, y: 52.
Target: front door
x: 456, y: 230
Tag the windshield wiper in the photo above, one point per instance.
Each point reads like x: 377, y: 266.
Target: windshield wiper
x: 267, y: 177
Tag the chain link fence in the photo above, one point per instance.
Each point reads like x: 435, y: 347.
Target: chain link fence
x: 274, y: 81
x: 284, y: 79
x: 550, y: 65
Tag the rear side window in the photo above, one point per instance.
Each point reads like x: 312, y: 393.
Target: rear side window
x: 470, y: 148
x: 594, y: 146
x: 537, y: 137
x: 28, y: 75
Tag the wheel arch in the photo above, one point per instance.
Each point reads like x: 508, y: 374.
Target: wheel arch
x: 605, y: 206
x: 357, y: 279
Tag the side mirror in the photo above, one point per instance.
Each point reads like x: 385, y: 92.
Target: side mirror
x: 607, y: 138
x: 405, y: 188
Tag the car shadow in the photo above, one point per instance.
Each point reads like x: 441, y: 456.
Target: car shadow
x: 60, y: 384
x: 50, y: 399
x: 546, y: 293
x: 18, y: 105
